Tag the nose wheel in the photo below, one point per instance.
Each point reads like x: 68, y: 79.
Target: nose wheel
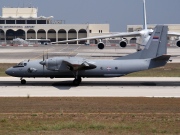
x: 23, y: 81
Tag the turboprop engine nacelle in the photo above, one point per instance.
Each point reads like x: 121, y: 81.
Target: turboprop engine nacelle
x: 55, y: 64
x: 51, y: 64
x: 101, y: 45
x: 123, y: 43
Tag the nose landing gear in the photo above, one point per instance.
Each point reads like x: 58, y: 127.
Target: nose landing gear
x: 23, y: 81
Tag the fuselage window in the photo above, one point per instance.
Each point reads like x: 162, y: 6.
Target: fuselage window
x: 101, y: 68
x: 116, y: 68
x: 25, y: 64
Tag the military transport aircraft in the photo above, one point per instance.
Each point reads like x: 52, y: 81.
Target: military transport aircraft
x: 153, y: 55
x: 142, y: 35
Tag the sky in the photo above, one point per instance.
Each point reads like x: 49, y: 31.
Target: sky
x: 117, y: 13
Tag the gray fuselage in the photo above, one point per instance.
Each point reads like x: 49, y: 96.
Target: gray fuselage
x: 104, y: 68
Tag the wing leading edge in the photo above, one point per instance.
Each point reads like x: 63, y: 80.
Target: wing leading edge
x: 124, y: 34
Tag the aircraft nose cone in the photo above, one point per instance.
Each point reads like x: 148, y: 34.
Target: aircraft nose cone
x: 9, y: 71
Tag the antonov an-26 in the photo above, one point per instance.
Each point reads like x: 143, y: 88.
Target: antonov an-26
x: 152, y: 56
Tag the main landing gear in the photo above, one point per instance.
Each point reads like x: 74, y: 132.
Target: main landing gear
x: 77, y: 81
x: 23, y: 81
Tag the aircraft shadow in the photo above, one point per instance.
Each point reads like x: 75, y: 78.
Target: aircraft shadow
x: 65, y: 85
x: 100, y: 83
x: 130, y: 83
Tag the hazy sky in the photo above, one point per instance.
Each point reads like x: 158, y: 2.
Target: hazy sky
x: 118, y: 13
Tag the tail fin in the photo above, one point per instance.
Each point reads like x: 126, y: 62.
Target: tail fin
x: 156, y: 46
x: 144, y: 12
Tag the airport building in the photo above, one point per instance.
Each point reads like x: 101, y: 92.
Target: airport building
x: 24, y: 23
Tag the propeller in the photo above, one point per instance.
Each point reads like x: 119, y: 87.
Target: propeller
x: 47, y: 54
x: 44, y: 61
x: 43, y: 55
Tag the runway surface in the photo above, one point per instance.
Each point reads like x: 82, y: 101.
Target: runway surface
x: 95, y: 87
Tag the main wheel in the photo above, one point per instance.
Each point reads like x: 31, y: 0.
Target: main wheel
x: 23, y: 81
x: 76, y: 82
x: 79, y: 79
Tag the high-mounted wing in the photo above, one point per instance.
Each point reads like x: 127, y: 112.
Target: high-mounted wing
x: 170, y: 33
x: 124, y: 34
x: 143, y: 34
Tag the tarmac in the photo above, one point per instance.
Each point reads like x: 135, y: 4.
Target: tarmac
x: 95, y: 87
x: 11, y: 54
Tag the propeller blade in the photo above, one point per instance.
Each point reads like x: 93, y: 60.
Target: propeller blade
x: 43, y: 55
x: 47, y: 54
x: 43, y: 61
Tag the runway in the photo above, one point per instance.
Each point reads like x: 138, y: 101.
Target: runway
x: 95, y: 87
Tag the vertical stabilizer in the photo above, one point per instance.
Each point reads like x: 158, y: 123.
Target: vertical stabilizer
x: 156, y: 46
x: 144, y: 12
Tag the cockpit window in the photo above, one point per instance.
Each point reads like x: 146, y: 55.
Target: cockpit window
x: 21, y: 64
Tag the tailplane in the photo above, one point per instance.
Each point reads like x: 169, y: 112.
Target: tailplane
x: 156, y: 46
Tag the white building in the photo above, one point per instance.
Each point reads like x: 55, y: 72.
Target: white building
x: 24, y: 23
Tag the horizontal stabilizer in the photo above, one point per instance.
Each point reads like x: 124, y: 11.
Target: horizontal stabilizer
x: 163, y: 57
